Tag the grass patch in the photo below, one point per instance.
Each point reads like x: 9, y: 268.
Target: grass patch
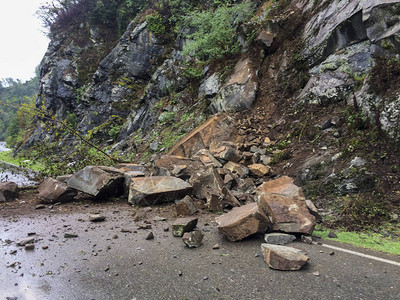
x: 367, y: 240
x: 20, y: 161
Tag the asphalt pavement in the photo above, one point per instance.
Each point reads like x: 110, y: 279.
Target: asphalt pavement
x: 113, y: 260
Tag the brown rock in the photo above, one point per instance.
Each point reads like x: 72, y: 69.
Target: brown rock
x: 171, y: 162
x: 237, y: 169
x: 284, y: 203
x: 227, y: 153
x: 8, y: 191
x: 242, y: 222
x: 157, y: 189
x: 259, y: 169
x: 207, y: 159
x: 54, y: 191
x: 208, y: 178
x: 185, y: 207
x: 283, y: 258
x: 216, y: 129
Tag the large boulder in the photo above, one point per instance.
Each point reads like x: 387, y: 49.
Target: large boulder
x: 285, y: 205
x: 240, y: 91
x: 54, y: 191
x: 242, y: 222
x: 212, y: 132
x: 207, y: 181
x: 98, y: 181
x: 170, y: 162
x: 157, y: 189
x: 283, y: 258
x: 8, y: 191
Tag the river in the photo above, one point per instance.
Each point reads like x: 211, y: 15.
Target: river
x: 9, y: 172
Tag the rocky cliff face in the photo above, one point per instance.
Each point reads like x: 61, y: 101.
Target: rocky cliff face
x: 306, y: 69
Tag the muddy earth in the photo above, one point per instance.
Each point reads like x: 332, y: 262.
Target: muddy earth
x: 74, y: 258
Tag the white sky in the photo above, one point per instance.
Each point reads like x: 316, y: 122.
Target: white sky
x: 22, y: 44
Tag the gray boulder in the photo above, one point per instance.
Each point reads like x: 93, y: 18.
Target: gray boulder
x: 157, y: 189
x: 98, y: 182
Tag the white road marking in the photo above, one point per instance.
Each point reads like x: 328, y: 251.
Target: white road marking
x: 360, y: 254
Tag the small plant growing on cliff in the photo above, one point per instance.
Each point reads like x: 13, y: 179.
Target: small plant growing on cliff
x: 215, y: 31
x: 155, y: 23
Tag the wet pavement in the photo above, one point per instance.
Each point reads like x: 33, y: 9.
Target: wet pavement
x: 9, y: 172
x: 113, y: 260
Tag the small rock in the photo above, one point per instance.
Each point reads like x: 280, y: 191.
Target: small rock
x: 124, y: 230
x: 12, y: 252
x: 166, y: 228
x: 332, y: 253
x: 115, y: 237
x: 144, y: 226
x: 70, y: 235
x: 29, y: 247
x: 180, y: 273
x: 279, y: 238
x: 45, y: 247
x: 25, y: 241
x: 193, y: 239
x: 96, y: 218
x: 283, y: 258
x: 31, y: 233
x: 332, y: 235
x: 158, y: 218
x: 107, y: 268
x: 316, y: 273
x: 306, y: 239
x: 185, y: 207
x: 40, y: 206
x: 150, y: 236
x: 216, y: 246
x: 259, y: 169
x: 183, y: 225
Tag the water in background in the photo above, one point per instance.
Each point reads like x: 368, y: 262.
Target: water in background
x: 12, y: 173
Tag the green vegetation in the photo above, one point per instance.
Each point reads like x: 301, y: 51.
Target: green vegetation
x: 155, y: 23
x: 215, y: 30
x: 20, y: 161
x: 16, y: 98
x: 368, y: 240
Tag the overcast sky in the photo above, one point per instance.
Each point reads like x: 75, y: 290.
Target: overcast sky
x: 22, y: 44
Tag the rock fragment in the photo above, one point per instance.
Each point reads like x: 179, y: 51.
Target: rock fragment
x: 185, y: 207
x: 98, y: 181
x: 69, y: 235
x: 193, y: 239
x: 53, y: 191
x: 157, y: 189
x: 284, y: 203
x: 25, y: 241
x: 150, y: 236
x: 8, y: 191
x: 96, y: 218
x: 183, y: 225
x: 279, y: 238
x: 242, y: 222
x: 283, y: 258
x: 259, y: 169
x: 29, y: 247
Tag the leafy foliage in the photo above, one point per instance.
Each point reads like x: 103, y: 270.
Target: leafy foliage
x: 214, y: 33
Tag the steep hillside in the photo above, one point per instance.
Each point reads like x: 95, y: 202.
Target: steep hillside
x: 312, y: 87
